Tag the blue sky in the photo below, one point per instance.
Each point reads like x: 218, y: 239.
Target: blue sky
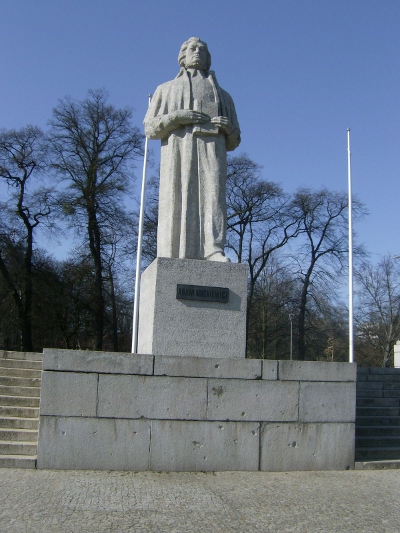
x: 300, y: 72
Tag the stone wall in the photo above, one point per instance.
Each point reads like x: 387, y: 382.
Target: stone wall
x: 114, y: 411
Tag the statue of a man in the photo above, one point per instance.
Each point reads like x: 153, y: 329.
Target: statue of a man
x: 196, y: 122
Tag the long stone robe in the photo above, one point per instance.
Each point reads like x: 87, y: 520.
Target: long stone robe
x: 192, y: 196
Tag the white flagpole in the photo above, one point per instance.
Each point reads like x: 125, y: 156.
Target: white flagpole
x: 139, y: 250
x: 351, y: 333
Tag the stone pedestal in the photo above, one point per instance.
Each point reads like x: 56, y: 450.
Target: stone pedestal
x: 397, y: 355
x: 185, y: 327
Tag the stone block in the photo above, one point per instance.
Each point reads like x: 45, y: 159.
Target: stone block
x: 68, y: 394
x: 170, y: 326
x: 204, y: 446
x: 317, y: 371
x: 152, y: 397
x: 327, y: 402
x: 295, y: 446
x: 100, y: 362
x: 93, y: 444
x: 269, y: 370
x: 207, y: 367
x: 260, y: 400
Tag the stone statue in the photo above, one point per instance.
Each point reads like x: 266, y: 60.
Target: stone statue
x: 196, y: 122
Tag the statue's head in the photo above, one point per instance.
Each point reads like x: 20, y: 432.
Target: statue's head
x: 194, y: 54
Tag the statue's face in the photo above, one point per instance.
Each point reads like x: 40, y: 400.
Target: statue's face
x: 196, y: 55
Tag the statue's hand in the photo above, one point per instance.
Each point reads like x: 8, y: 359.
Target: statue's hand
x: 186, y: 116
x: 223, y: 124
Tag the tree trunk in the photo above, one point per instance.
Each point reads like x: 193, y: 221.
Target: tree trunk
x: 25, y: 325
x: 114, y: 324
x: 28, y: 290
x: 301, y: 343
x: 94, y: 243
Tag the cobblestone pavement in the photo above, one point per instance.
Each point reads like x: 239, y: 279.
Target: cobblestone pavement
x: 43, y: 501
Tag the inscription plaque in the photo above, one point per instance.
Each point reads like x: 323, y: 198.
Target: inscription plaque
x: 204, y: 294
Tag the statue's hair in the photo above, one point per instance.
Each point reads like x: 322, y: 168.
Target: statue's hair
x: 182, y: 52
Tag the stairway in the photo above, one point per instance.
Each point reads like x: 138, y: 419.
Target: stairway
x: 378, y: 414
x: 20, y: 378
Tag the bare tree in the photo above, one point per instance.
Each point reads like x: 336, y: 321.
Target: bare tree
x: 23, y: 162
x: 118, y: 252
x: 261, y: 218
x: 150, y: 221
x: 324, y: 248
x: 378, y: 313
x: 273, y: 302
x: 93, y: 148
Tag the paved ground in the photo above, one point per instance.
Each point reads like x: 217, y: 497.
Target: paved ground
x: 238, y: 502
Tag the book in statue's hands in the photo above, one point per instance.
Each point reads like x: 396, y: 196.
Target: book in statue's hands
x: 209, y: 108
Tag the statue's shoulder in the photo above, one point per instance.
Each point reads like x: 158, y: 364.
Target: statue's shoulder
x: 165, y: 86
x: 180, y: 79
x: 169, y: 87
x: 222, y: 93
x: 226, y: 95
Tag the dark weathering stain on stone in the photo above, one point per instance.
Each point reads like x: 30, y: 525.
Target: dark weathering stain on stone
x: 218, y: 391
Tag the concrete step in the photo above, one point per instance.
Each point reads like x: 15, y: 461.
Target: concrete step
x: 392, y: 386
x: 378, y: 377
x: 20, y: 381
x: 18, y: 435
x: 17, y: 381
x: 378, y: 393
x: 378, y: 465
x: 375, y: 431
x: 19, y: 411
x: 18, y: 448
x: 378, y: 371
x: 20, y: 372
x: 391, y: 393
x: 369, y: 385
x: 28, y: 392
x: 17, y: 363
x: 28, y: 356
x: 377, y: 385
x: 19, y: 423
x: 19, y: 401
x: 378, y: 442
x: 367, y: 393
x: 377, y: 411
x: 377, y: 421
x: 377, y: 454
x: 375, y: 402
x: 17, y: 461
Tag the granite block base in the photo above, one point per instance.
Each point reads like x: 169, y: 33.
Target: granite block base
x: 125, y: 412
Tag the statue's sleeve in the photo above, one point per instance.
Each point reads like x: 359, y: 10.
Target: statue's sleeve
x: 158, y: 123
x: 233, y: 140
